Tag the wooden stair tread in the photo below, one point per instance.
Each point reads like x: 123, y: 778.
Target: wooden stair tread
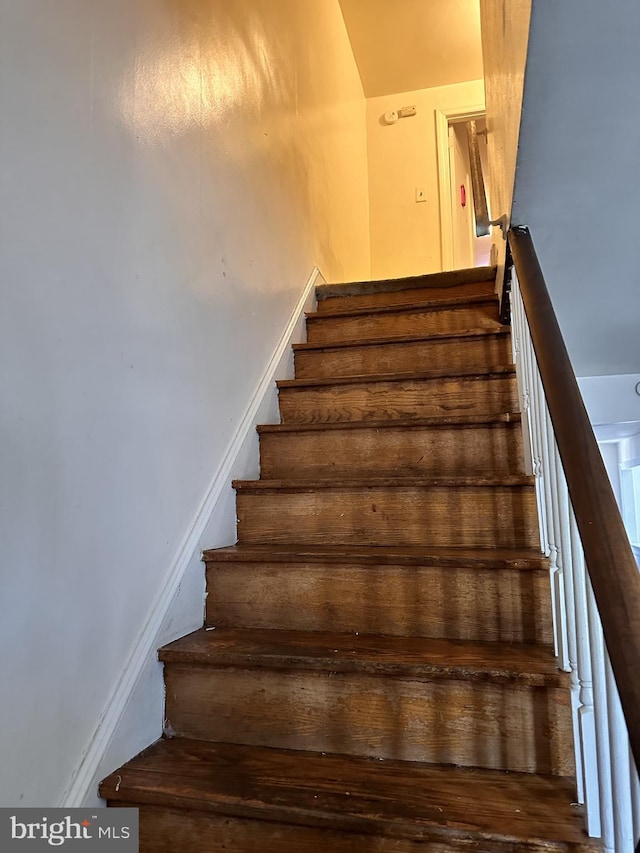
x: 444, y: 421
x: 383, y: 483
x: 414, y: 375
x: 451, y: 278
x: 408, y: 657
x: 391, y: 798
x: 405, y: 339
x: 495, y: 558
x: 419, y: 305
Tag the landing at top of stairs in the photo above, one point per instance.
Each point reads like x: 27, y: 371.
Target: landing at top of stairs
x: 452, y: 278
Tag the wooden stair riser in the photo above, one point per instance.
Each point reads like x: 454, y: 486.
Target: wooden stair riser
x: 464, y: 516
x: 470, y: 352
x: 411, y: 296
x: 168, y: 830
x: 458, y: 604
x: 323, y: 329
x: 505, y: 726
x: 165, y: 830
x: 479, y: 451
x: 399, y: 400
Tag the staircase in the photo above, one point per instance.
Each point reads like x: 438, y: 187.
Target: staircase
x: 376, y: 672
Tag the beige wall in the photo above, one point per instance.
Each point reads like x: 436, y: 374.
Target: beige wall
x: 173, y: 170
x: 505, y: 33
x: 405, y: 235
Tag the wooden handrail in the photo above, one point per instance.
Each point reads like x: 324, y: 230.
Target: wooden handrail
x: 481, y: 210
x: 610, y: 562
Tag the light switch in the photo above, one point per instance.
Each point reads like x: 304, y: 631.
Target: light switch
x: 421, y: 194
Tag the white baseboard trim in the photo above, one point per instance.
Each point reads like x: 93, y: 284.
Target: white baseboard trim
x: 145, y: 646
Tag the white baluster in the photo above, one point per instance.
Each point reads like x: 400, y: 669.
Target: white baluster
x: 523, y: 391
x: 586, y: 721
x: 602, y: 723
x: 620, y: 770
x: 566, y: 563
x: 552, y: 522
x: 608, y: 780
x: 635, y: 797
x: 558, y: 533
x: 536, y: 426
x: 530, y: 423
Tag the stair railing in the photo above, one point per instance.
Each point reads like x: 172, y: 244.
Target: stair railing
x: 480, y: 209
x: 595, y: 582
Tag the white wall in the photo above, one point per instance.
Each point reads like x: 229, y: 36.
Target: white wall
x: 611, y: 399
x: 405, y: 235
x: 613, y: 407
x: 630, y: 447
x: 611, y: 458
x: 576, y: 179
x: 171, y: 173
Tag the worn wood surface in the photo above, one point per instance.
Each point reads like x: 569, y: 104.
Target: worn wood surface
x: 425, y: 303
x: 437, y: 373
x: 396, y: 449
x: 463, y: 420
x: 480, y: 348
x: 508, y: 605
x: 410, y: 296
x: 411, y: 657
x: 452, y: 281
x: 481, y: 705
x: 398, y: 398
x: 338, y: 327
x: 371, y: 614
x: 455, y: 557
x: 165, y: 830
x: 480, y: 809
x: 508, y: 727
x: 407, y: 513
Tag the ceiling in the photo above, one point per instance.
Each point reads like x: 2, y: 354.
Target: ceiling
x: 401, y: 45
x: 615, y: 432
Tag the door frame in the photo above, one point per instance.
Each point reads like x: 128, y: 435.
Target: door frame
x: 445, y: 117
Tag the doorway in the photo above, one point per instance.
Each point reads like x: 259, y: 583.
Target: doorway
x: 460, y: 247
